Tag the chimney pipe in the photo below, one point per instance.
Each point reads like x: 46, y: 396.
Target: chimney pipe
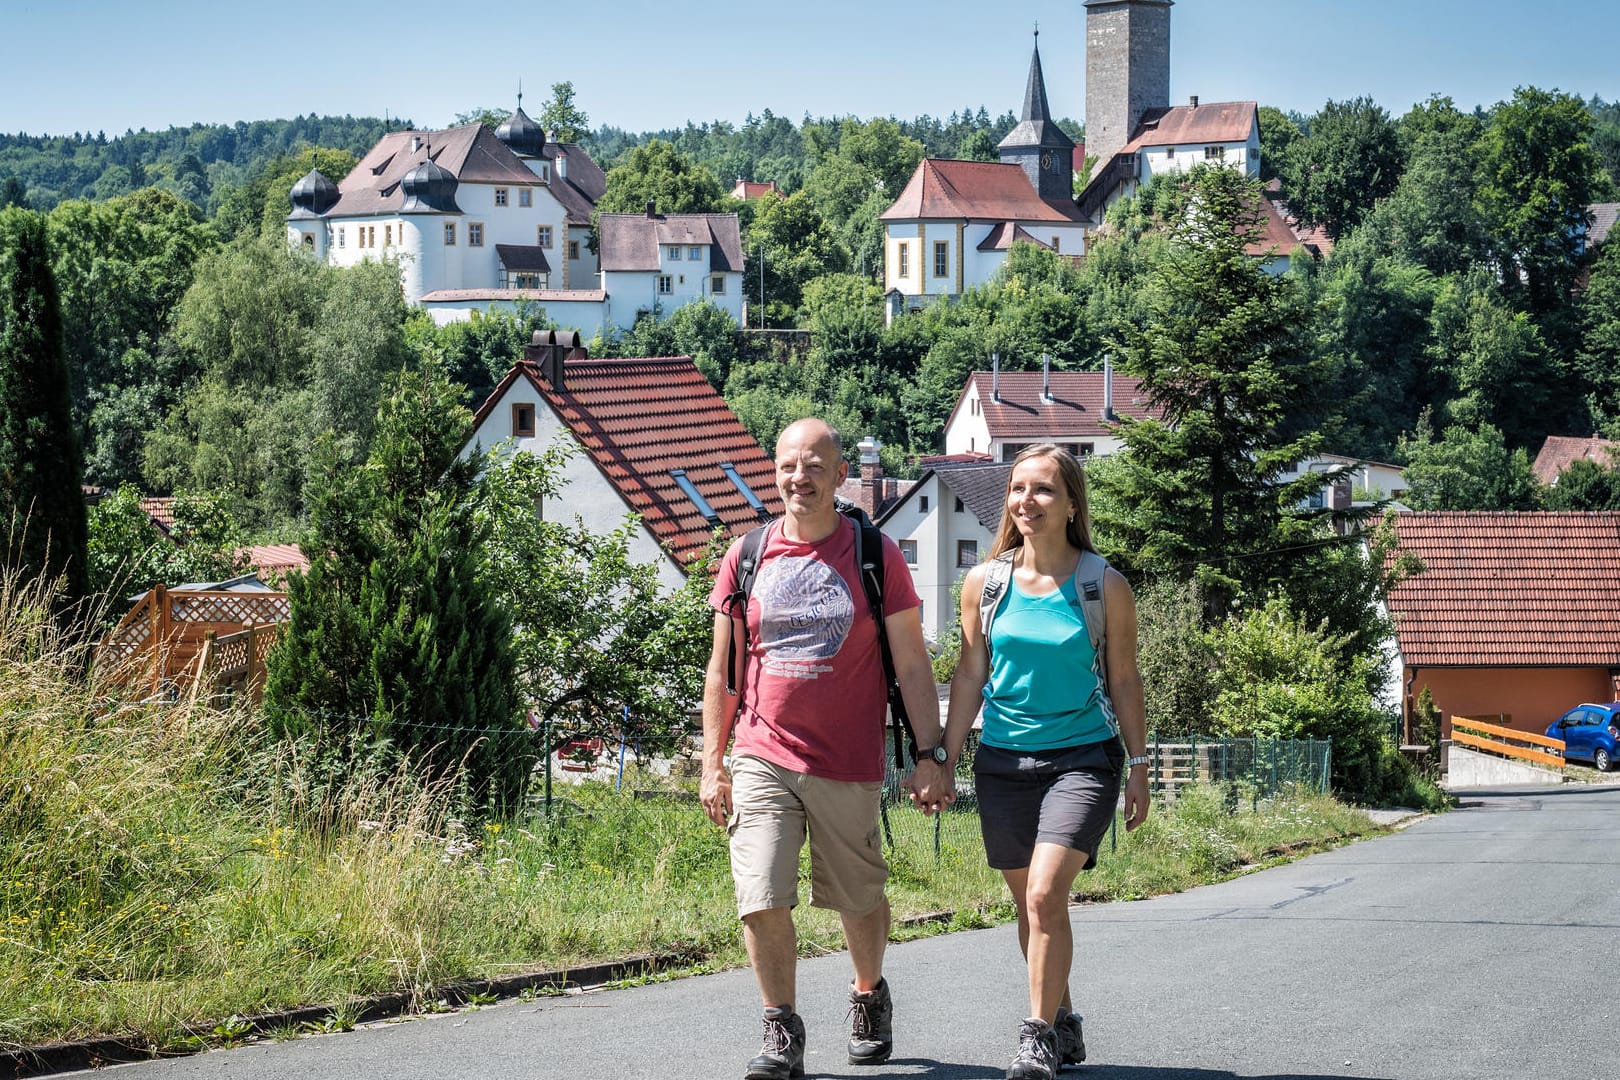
x: 1193, y: 101
x: 995, y: 378
x: 871, y: 473
x: 1046, y: 377
x: 1108, y: 386
x: 652, y: 208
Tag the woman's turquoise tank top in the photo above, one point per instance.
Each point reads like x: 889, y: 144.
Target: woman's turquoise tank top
x: 1044, y: 690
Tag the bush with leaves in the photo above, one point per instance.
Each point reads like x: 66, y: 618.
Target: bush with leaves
x: 129, y: 553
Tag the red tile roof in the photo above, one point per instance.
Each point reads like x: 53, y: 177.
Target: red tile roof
x: 1195, y: 125
x: 1603, y: 219
x: 976, y: 191
x: 1559, y: 452
x: 1002, y: 236
x: 274, y: 559
x: 749, y: 189
x: 639, y: 419
x: 160, y: 508
x: 1282, y: 232
x: 1075, y: 410
x: 1509, y: 590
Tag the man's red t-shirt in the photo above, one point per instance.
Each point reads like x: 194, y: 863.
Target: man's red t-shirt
x: 814, y: 697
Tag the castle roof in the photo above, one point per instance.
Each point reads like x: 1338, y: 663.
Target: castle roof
x: 977, y: 191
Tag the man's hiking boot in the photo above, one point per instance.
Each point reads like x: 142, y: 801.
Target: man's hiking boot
x: 1071, y: 1039
x: 1038, y: 1057
x: 871, y: 1015
x: 782, y: 1056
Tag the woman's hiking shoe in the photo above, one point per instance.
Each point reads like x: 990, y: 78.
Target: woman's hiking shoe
x: 782, y: 1056
x: 871, y: 1015
x: 1071, y: 1039
x: 1038, y: 1057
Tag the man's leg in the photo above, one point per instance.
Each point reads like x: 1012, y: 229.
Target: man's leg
x: 773, y: 951
x: 867, y: 937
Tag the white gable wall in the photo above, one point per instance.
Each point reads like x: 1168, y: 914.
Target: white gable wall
x: 961, y: 240
x: 936, y: 532
x: 586, y: 492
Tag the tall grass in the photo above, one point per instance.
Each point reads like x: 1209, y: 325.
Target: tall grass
x: 163, y: 866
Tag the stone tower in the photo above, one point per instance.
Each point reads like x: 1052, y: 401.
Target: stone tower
x: 1037, y: 144
x: 1127, y: 70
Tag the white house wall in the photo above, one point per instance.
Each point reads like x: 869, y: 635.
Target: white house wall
x: 1156, y: 160
x: 965, y: 265
x: 633, y: 292
x: 586, y: 492
x: 586, y: 316
x: 936, y: 532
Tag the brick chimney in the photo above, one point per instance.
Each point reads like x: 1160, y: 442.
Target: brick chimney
x: 871, y: 474
x: 549, y: 350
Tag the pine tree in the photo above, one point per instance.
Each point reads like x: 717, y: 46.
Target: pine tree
x: 1224, y: 353
x: 42, y: 515
x: 395, y: 641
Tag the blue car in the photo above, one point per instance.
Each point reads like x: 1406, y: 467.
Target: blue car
x: 1590, y: 733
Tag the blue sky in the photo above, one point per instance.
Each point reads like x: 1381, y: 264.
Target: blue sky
x: 87, y: 65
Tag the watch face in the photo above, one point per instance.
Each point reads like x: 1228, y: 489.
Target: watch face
x: 941, y: 755
x: 1046, y: 160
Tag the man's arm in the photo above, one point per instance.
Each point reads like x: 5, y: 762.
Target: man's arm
x: 719, y: 715
x: 1125, y: 690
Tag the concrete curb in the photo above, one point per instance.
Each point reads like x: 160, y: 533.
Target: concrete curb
x: 94, y: 1053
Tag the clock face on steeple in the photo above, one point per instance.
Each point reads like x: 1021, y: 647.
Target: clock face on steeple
x: 1046, y: 159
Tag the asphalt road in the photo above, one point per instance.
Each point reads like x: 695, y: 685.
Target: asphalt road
x: 1477, y: 944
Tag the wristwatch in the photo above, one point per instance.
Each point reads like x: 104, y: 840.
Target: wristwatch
x: 938, y: 753
x: 1140, y: 759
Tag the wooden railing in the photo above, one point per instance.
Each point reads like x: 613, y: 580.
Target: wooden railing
x: 233, y: 664
x: 1480, y: 734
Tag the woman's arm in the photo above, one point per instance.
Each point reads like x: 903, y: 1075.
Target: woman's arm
x: 1125, y: 690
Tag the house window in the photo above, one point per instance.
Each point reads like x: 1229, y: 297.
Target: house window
x: 388, y: 236
x: 342, y: 233
x: 1169, y: 151
x: 942, y: 258
x: 525, y: 197
x: 905, y: 261
x: 521, y: 279
x: 675, y: 253
x: 908, y: 549
x: 500, y: 196
x: 959, y: 504
x: 717, y: 285
x: 542, y: 236
x: 522, y: 419
x: 371, y: 236
x: 545, y: 172
x: 449, y: 234
x: 694, y: 253
x: 573, y: 249
x: 973, y: 406
x: 922, y: 503
x: 309, y: 241
x: 967, y: 553
x: 1214, y: 153
x: 475, y: 234
x: 666, y: 284
x: 1057, y: 244
x: 1086, y: 449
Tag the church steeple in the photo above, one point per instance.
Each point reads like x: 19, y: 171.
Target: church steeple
x: 1037, y: 144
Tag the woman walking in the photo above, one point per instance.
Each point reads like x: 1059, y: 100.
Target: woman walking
x: 1059, y: 693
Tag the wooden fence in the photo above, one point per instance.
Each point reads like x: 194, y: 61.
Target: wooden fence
x: 1479, y: 734
x: 158, y: 647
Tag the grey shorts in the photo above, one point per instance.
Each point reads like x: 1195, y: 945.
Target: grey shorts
x: 773, y: 809
x: 1064, y: 796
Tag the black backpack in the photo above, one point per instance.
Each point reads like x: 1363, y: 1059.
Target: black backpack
x: 869, y: 558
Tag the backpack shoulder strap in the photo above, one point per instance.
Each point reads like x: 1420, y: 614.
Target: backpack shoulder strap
x: 1088, y: 590
x: 869, y: 563
x: 997, y: 576
x: 736, y: 601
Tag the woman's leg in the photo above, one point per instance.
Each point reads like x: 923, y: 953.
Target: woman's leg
x: 1044, y: 930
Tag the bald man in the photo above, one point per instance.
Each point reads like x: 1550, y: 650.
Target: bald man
x: 808, y: 725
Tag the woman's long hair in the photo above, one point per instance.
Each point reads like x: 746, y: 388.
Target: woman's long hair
x: 1074, y: 479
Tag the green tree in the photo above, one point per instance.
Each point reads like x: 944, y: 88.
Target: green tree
x: 41, y: 504
x: 129, y: 554
x: 1200, y: 493
x: 1538, y: 173
x: 1431, y: 218
x: 1278, y: 134
x: 566, y: 121
x: 1348, y: 160
x: 658, y: 173
x: 396, y: 639
x: 1584, y: 485
x: 1500, y: 365
x: 978, y: 146
x: 601, y: 647
x: 797, y: 245
x: 1466, y: 469
x: 1598, y: 358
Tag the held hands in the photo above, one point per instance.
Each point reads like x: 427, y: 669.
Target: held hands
x: 715, y: 794
x: 1136, y: 798
x: 932, y: 786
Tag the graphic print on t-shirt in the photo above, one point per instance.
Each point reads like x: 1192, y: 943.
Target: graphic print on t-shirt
x: 805, y: 613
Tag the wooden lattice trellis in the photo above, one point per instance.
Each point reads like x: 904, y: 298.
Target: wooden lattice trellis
x: 195, y: 641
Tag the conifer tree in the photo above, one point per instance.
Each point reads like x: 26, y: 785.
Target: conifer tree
x: 395, y: 641
x: 1224, y: 353
x: 42, y: 515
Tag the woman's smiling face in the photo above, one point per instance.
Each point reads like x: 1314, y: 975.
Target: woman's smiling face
x: 1037, y: 498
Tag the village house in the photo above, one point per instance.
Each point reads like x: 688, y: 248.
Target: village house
x: 651, y: 438
x: 1559, y: 452
x: 1515, y: 617
x: 1001, y: 412
x: 482, y: 220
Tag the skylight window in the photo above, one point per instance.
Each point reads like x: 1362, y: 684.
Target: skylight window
x: 685, y: 484
x: 747, y: 492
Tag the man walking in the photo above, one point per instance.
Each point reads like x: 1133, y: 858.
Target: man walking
x: 808, y: 720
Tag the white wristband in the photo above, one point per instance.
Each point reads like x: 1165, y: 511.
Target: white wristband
x: 1131, y: 763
